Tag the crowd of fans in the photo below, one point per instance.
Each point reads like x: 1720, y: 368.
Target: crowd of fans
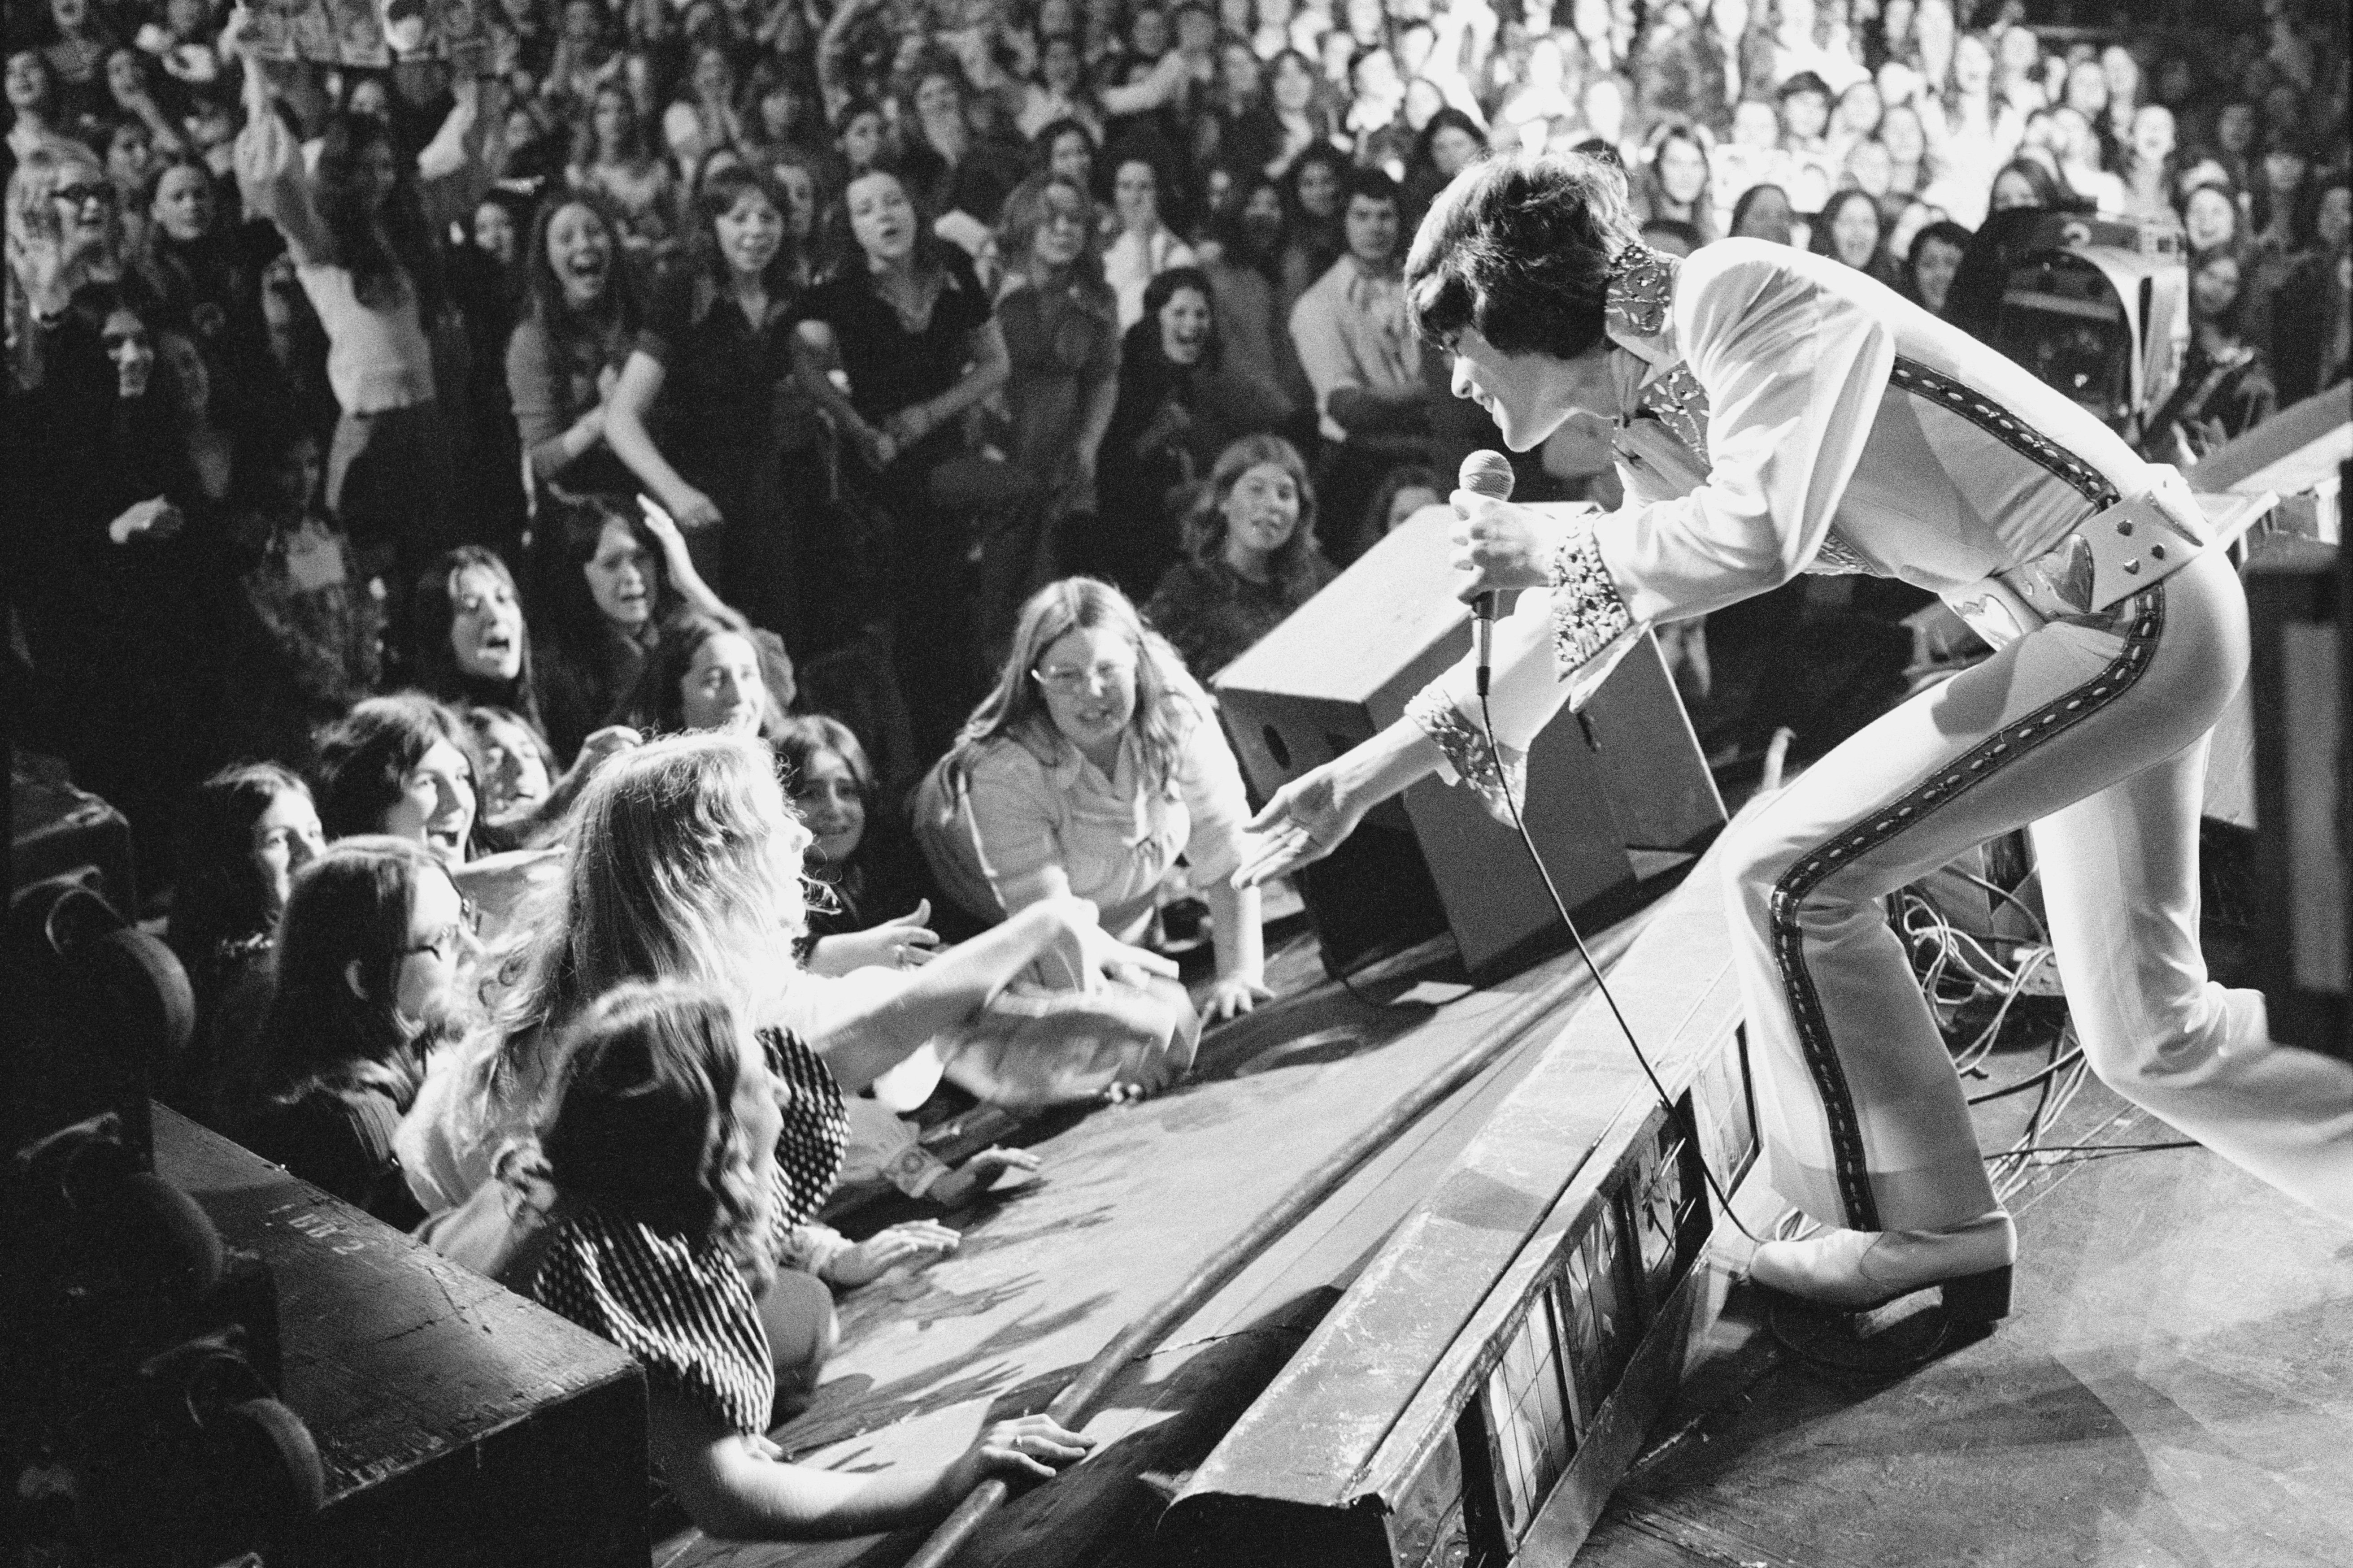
x: 920, y: 401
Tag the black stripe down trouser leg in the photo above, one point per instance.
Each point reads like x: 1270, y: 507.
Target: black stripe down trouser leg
x: 2095, y: 733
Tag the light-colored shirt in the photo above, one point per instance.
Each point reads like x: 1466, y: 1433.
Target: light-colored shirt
x: 1351, y: 331
x: 1130, y: 263
x: 1036, y: 802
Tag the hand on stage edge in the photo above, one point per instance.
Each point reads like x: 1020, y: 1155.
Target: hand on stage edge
x: 1305, y: 821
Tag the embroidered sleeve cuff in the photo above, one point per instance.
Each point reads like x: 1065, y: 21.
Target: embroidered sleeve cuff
x: 1502, y: 782
x: 1586, y: 614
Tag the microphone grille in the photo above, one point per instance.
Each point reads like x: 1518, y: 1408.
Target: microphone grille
x: 1488, y: 474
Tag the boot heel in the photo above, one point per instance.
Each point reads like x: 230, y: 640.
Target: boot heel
x: 1979, y: 1298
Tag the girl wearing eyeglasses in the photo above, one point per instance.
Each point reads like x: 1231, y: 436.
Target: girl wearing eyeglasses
x: 1095, y: 764
x: 373, y: 949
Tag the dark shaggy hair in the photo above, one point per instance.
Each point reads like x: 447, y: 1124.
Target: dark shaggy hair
x: 221, y: 896
x: 365, y: 754
x: 377, y: 247
x: 433, y: 610
x: 1520, y: 250
x: 351, y: 906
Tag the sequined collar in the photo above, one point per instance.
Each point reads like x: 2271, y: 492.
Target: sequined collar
x: 1638, y: 311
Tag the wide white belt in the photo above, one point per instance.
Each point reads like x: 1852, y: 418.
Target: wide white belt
x: 2104, y: 561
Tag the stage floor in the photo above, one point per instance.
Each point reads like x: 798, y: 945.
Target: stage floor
x: 2174, y: 1389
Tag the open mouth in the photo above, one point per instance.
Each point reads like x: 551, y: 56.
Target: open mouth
x: 446, y: 838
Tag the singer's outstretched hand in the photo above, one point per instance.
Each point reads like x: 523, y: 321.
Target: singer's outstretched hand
x: 1305, y: 821
x: 1500, y: 547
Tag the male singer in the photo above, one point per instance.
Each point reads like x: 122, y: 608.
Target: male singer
x: 1775, y: 413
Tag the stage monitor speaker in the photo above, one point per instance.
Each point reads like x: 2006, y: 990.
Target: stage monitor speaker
x: 1617, y: 793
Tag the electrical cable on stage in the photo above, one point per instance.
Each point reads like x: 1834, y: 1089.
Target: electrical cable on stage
x: 1487, y: 721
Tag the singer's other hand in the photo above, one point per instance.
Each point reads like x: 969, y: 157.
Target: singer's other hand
x: 1499, y: 547
x: 1305, y: 821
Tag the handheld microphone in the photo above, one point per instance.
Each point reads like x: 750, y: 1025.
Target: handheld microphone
x: 1489, y: 474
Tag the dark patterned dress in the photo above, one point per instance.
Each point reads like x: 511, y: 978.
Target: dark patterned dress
x: 683, y: 1308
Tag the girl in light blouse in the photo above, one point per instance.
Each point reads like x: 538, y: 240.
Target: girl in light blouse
x: 1094, y: 764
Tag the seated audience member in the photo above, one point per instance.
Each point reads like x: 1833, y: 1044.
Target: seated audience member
x: 864, y: 871
x: 1935, y: 258
x: 1250, y: 553
x: 713, y: 673
x: 304, y: 637
x: 605, y: 584
x: 245, y: 833
x: 1763, y: 212
x: 1851, y: 233
x: 1145, y: 246
x: 684, y: 864
x: 399, y: 765
x: 2309, y: 342
x: 686, y: 1147
x: 1361, y: 356
x: 2025, y: 183
x: 471, y: 649
x: 1165, y: 427
x: 1258, y: 374
x: 518, y: 773
x: 1095, y: 764
x: 373, y: 948
x: 1406, y: 491
x: 2226, y: 387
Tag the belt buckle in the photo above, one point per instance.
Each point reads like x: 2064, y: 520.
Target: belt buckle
x: 1997, y: 612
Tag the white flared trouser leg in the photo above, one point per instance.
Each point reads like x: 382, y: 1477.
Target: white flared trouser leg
x: 2093, y: 733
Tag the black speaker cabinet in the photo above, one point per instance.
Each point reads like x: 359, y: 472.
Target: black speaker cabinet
x: 1617, y: 793
x: 2300, y: 609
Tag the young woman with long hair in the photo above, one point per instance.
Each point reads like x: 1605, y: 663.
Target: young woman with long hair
x: 685, y: 1146
x: 1250, y: 556
x: 907, y: 318
x: 711, y: 366
x: 579, y: 322
x: 1060, y: 323
x: 1094, y: 765
x: 1675, y: 180
x: 684, y: 865
x: 361, y: 232
x: 615, y: 161
x: 712, y: 672
x: 471, y: 650
x: 373, y: 952
x: 603, y: 583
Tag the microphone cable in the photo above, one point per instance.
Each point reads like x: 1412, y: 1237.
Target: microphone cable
x: 1560, y: 907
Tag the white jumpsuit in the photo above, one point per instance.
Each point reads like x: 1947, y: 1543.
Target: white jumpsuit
x: 1780, y: 412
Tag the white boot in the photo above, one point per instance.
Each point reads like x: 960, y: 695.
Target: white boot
x: 1854, y: 1269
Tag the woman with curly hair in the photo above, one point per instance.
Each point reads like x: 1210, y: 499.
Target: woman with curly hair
x: 616, y: 163
x: 1091, y: 768
x: 684, y: 1147
x: 1250, y: 556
